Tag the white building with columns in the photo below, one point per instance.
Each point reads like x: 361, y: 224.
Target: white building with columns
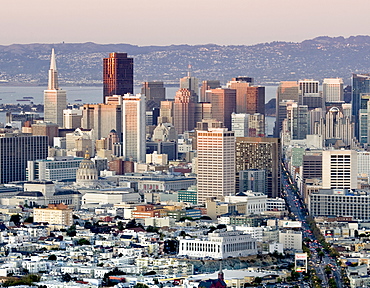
x: 219, y: 245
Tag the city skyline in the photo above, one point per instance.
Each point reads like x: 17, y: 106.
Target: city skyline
x: 156, y: 22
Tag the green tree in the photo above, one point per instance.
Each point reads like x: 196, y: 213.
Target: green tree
x: 29, y: 220
x: 66, y: 277
x: 83, y: 241
x: 152, y: 229
x: 16, y: 219
x: 257, y: 280
x: 295, y: 275
x: 71, y: 231
x: 141, y: 285
x: 120, y: 226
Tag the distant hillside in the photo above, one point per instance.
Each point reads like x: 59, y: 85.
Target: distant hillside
x: 81, y: 63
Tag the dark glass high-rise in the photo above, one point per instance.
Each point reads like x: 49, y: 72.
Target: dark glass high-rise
x: 118, y: 75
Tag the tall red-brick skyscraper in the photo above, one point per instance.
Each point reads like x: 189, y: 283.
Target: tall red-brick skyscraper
x: 118, y: 75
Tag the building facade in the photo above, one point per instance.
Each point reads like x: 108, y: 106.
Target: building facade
x: 340, y: 202
x: 332, y: 89
x: 133, y: 127
x: 262, y: 154
x: 102, y: 118
x: 53, y: 169
x: 339, y: 169
x: 55, y: 99
x: 183, y: 111
x: 55, y: 214
x: 216, y: 163
x: 154, y: 92
x: 118, y: 75
x: 15, y: 151
x: 223, y: 105
x: 219, y: 245
x: 360, y: 85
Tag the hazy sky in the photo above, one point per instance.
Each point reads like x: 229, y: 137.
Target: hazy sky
x: 164, y: 22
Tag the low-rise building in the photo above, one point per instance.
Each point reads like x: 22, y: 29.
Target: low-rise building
x: 55, y: 214
x: 291, y: 239
x: 219, y: 245
x: 340, y: 202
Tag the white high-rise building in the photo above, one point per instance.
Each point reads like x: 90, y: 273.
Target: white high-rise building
x: 239, y: 124
x: 332, y: 89
x: 339, y: 169
x: 216, y: 163
x: 133, y: 127
x: 55, y: 99
x: 363, y: 163
x: 307, y: 86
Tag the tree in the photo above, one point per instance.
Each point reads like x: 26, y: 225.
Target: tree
x: 52, y: 257
x: 71, y: 231
x: 83, y: 241
x: 152, y: 229
x: 120, y: 226
x: 141, y: 285
x: 221, y: 226
x: 295, y: 275
x: 66, y: 277
x: 257, y: 280
x: 29, y: 220
x: 16, y: 219
x: 131, y: 224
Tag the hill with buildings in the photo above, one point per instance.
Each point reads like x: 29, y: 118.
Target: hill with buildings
x: 81, y: 63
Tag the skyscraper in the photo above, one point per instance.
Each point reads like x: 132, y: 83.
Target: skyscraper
x: 256, y: 125
x: 183, y: 111
x: 263, y: 154
x: 216, y: 163
x: 249, y: 99
x: 192, y: 84
x: 102, y: 118
x: 297, y: 120
x: 118, y: 75
x: 287, y: 90
x: 133, y: 127
x: 55, y: 99
x: 339, y: 169
x: 307, y: 86
x: 360, y: 85
x: 154, y: 92
x: 223, y: 104
x: 15, y: 151
x: 166, y: 112
x: 239, y: 124
x: 208, y: 85
x: 332, y: 89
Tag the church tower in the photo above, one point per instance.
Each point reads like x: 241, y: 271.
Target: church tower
x: 55, y: 99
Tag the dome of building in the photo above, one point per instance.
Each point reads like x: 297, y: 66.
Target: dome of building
x: 87, y: 174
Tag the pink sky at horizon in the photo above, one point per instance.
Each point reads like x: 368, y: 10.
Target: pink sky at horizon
x: 165, y: 22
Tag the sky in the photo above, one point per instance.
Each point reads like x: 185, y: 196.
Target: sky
x: 166, y: 22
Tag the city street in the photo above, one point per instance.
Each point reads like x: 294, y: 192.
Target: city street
x: 297, y: 208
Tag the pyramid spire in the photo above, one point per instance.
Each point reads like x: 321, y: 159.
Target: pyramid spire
x: 53, y: 74
x: 53, y: 64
